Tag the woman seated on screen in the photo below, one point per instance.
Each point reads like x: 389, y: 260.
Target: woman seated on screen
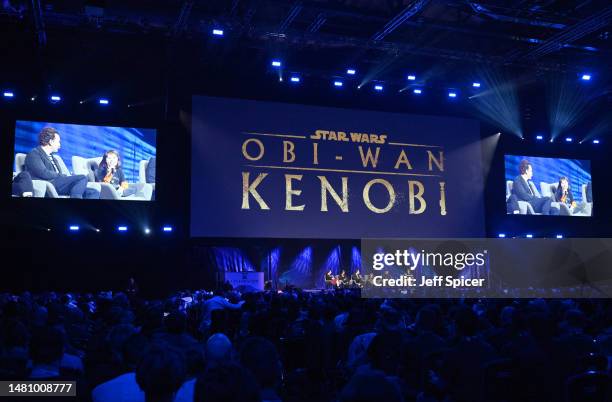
x: 563, y: 194
x: 109, y: 171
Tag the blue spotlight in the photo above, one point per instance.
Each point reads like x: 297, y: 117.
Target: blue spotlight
x: 351, y: 71
x: 559, y: 236
x: 539, y: 137
x: 8, y: 94
x: 122, y: 228
x: 452, y: 94
x: 338, y: 83
x: 378, y: 87
x: 167, y: 229
x: 595, y: 141
x: 103, y: 101
x: 147, y: 231
x: 74, y: 228
x: 55, y: 98
x: 586, y: 77
x: 217, y: 32
x: 569, y: 139
x: 411, y: 78
x: 295, y: 79
x: 529, y: 236
x: 476, y: 84
x: 418, y: 91
x: 501, y: 235
x: 276, y: 63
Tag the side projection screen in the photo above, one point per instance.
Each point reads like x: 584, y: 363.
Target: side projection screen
x: 58, y: 160
x: 548, y: 186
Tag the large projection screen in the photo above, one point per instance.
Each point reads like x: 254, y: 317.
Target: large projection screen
x: 276, y: 170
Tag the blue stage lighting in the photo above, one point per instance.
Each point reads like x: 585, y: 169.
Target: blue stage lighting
x: 103, y: 101
x: 539, y: 137
x: 122, y: 228
x: 586, y: 77
x: 338, y: 83
x: 378, y: 87
x: 74, y: 228
x: 351, y: 71
x: 411, y: 78
x: 452, y: 94
x: 501, y: 235
x: 476, y: 84
x: 595, y: 141
x: 529, y: 236
x: 559, y: 236
x: 55, y: 98
x: 569, y: 139
x: 147, y: 231
x: 8, y: 94
x: 217, y: 32
x: 295, y: 79
x: 276, y: 63
x: 418, y: 91
x: 167, y: 229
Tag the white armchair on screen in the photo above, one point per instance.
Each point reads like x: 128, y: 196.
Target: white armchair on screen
x: 525, y: 208
x: 549, y: 190
x: 88, y: 166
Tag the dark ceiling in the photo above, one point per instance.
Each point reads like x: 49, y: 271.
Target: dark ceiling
x: 55, y: 42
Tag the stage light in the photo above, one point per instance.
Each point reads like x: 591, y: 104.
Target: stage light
x: 147, y: 231
x: 559, y: 236
x: 122, y: 228
x: 595, y: 141
x: 529, y: 236
x: 103, y: 101
x: 418, y: 91
x: 586, y: 77
x: 539, y: 137
x: 217, y: 32
x: 276, y: 63
x: 502, y: 235
x: 8, y: 94
x: 350, y: 71
x: 338, y: 83
x: 452, y: 94
x: 476, y: 84
x: 378, y: 87
x: 74, y: 228
x: 411, y: 78
x: 167, y: 229
x: 33, y: 98
x: 55, y: 98
x: 569, y: 139
x: 295, y: 79
x: 97, y: 230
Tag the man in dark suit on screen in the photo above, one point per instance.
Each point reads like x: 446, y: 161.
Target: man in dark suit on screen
x: 43, y: 165
x: 522, y: 191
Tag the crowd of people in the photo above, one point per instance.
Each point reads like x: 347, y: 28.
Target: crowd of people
x: 296, y: 345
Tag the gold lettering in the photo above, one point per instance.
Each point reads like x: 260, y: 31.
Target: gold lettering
x: 326, y: 187
x: 366, y: 195
x: 246, y: 154
x: 442, y: 199
x: 439, y: 162
x: 419, y: 195
x: 368, y: 156
x: 315, y: 153
x: 251, y: 189
x: 402, y: 159
x: 318, y: 134
x: 288, y: 151
x: 290, y: 192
